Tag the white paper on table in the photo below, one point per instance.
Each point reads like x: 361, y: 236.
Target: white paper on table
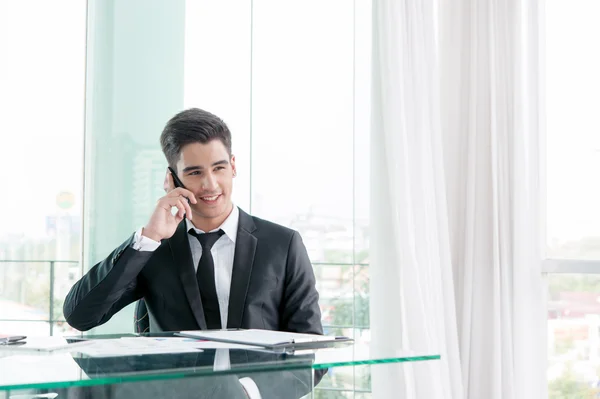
x: 223, y: 345
x: 257, y: 337
x: 43, y: 344
x: 131, y: 346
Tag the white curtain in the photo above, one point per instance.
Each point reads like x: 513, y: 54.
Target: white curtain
x: 412, y: 297
x: 491, y: 107
x: 455, y: 209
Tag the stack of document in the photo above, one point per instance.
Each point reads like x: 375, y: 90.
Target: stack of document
x: 43, y: 344
x: 115, y: 347
x: 125, y: 346
x: 273, y: 340
x: 134, y: 346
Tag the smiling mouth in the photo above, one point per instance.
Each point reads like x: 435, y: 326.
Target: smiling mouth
x: 212, y: 198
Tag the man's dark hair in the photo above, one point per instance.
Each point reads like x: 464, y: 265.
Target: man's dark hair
x: 192, y: 126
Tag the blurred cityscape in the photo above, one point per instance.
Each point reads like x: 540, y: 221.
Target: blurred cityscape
x: 573, y: 314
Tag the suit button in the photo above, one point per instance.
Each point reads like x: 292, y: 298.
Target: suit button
x: 117, y: 256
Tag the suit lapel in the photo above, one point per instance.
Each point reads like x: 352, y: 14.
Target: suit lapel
x: 245, y: 247
x: 182, y: 255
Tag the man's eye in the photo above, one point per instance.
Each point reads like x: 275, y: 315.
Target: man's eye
x: 219, y: 168
x: 194, y: 173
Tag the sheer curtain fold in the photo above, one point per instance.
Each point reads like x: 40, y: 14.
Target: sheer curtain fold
x: 412, y: 298
x: 490, y: 102
x: 455, y: 207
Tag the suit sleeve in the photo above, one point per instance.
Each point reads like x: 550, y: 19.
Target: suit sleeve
x: 301, y: 311
x: 107, y: 288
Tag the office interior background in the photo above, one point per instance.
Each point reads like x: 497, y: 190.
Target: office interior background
x: 439, y: 160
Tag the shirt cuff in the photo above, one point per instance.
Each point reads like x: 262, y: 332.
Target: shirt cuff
x: 143, y: 243
x: 250, y: 388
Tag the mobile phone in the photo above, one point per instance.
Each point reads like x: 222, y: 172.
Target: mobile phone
x: 176, y: 180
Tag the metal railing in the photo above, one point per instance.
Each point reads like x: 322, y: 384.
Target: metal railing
x: 52, y: 263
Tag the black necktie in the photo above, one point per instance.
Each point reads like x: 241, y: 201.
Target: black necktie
x: 205, y: 275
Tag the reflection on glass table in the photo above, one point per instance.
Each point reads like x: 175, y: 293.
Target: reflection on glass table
x: 216, y: 371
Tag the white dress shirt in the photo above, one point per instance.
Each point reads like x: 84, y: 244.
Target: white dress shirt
x: 222, y: 251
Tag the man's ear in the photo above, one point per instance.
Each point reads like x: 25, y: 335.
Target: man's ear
x: 233, y: 169
x: 168, y: 182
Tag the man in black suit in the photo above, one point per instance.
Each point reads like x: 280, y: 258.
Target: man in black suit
x: 209, y: 265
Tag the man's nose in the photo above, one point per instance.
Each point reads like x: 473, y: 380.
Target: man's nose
x: 209, y: 182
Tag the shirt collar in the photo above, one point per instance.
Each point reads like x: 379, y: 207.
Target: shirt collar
x: 229, y: 226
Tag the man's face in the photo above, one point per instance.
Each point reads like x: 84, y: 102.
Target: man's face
x: 207, y: 170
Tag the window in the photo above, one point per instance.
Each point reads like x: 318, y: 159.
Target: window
x: 297, y: 103
x: 42, y: 69
x: 573, y: 198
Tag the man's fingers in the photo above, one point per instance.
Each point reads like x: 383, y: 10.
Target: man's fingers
x: 179, y: 215
x: 179, y: 203
x: 167, y: 203
x: 171, y: 190
x: 179, y: 191
x: 188, y: 209
x: 181, y: 210
x: 173, y: 200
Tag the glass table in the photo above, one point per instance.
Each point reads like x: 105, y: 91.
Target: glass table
x: 200, y: 373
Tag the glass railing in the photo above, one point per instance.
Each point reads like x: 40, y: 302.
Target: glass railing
x: 32, y: 293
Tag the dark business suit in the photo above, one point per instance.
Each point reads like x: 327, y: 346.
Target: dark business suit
x: 272, y: 286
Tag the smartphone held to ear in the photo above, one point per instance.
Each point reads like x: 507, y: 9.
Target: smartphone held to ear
x: 176, y: 180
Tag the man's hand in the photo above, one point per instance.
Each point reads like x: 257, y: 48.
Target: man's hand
x: 163, y: 223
